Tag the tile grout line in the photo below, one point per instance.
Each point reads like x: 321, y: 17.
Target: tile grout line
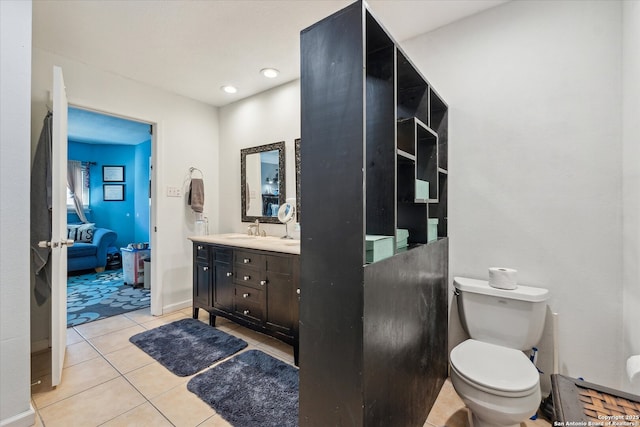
x: 122, y: 375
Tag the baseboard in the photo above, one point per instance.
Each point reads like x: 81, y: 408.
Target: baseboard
x: 24, y: 419
x: 175, y: 307
x: 40, y: 345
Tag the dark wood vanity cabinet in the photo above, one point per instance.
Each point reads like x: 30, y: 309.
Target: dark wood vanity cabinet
x: 201, y: 276
x: 257, y: 289
x: 223, y: 292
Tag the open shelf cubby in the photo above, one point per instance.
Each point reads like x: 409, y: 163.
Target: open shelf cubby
x: 380, y: 130
x: 413, y: 91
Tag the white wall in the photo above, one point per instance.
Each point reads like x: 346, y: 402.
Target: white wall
x: 268, y: 117
x: 15, y: 86
x: 534, y: 91
x: 187, y: 135
x: 631, y: 177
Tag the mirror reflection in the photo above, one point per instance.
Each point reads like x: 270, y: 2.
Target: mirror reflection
x: 263, y: 182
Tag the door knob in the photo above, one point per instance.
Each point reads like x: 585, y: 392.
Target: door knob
x: 44, y: 244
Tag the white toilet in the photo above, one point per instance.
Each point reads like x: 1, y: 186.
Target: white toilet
x: 489, y: 371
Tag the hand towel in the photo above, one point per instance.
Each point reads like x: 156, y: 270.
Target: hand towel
x: 196, y: 194
x: 41, y: 213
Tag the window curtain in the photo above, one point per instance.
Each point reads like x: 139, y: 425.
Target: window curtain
x: 75, y: 182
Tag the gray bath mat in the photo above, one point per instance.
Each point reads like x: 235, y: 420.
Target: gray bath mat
x: 187, y: 346
x: 251, y: 389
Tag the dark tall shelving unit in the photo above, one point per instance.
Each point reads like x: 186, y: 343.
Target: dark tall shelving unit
x: 373, y: 336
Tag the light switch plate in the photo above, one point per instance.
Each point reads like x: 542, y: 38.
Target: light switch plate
x: 173, y: 192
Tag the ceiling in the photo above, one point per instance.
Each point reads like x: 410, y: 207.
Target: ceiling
x: 192, y: 48
x: 94, y: 128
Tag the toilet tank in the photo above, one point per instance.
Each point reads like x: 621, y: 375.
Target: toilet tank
x: 510, y: 318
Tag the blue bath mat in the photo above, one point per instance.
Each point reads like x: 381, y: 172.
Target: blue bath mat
x: 187, y: 346
x: 251, y: 389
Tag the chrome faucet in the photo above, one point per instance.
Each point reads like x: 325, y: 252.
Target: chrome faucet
x: 254, y: 230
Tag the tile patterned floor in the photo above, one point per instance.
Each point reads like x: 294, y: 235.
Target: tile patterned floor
x: 107, y: 381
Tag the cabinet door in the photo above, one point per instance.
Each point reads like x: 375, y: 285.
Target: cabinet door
x: 201, y: 284
x: 223, y: 288
x: 280, y: 302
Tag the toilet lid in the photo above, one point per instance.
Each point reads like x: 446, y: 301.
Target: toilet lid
x: 495, y: 367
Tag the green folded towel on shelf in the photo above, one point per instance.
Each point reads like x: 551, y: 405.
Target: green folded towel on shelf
x: 432, y: 229
x: 422, y: 189
x: 378, y: 247
x: 402, y: 238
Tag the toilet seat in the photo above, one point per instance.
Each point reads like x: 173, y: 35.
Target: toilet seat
x: 495, y: 369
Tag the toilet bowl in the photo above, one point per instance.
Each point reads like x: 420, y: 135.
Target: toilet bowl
x: 489, y: 371
x: 499, y: 385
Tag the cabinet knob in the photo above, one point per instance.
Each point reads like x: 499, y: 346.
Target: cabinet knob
x: 205, y: 268
x: 263, y: 282
x: 229, y: 274
x: 245, y: 295
x: 247, y: 277
x: 200, y: 247
x: 298, y: 291
x: 246, y: 312
x: 246, y: 260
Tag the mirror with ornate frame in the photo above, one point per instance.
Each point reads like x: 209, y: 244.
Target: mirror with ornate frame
x: 262, y: 183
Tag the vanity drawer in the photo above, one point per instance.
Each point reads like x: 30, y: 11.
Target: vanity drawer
x: 278, y: 264
x: 223, y: 255
x: 249, y: 259
x: 249, y: 309
x: 250, y: 277
x: 249, y: 295
x: 201, y: 251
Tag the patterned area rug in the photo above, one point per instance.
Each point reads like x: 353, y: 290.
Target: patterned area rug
x: 96, y: 296
x: 251, y: 389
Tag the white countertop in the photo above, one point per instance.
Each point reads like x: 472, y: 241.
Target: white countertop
x: 269, y: 243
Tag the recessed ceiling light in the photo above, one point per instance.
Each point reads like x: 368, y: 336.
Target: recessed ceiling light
x: 229, y: 89
x: 270, y: 73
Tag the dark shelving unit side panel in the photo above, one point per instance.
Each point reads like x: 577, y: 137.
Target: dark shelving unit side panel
x: 413, y: 91
x: 405, y: 335
x: 440, y: 124
x: 381, y: 132
x: 439, y: 210
x: 332, y: 160
x: 427, y: 159
x: 413, y: 217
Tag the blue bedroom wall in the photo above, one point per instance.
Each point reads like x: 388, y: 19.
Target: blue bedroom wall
x: 126, y: 218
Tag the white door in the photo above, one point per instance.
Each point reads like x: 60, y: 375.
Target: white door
x: 58, y: 228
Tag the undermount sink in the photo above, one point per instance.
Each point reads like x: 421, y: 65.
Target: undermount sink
x: 241, y: 237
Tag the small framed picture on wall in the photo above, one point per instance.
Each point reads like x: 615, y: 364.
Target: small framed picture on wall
x: 113, y: 173
x: 113, y: 192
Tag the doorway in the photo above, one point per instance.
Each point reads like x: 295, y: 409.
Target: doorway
x: 115, y: 154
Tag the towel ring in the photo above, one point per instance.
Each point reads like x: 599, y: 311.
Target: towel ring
x: 192, y: 170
